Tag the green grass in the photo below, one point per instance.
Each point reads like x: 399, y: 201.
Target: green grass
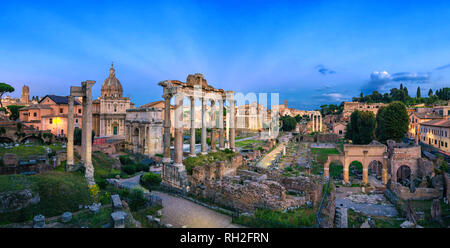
x: 59, y: 192
x: 103, y: 168
x: 141, y: 216
x: 209, y: 158
x: 23, y: 151
x: 248, y: 143
x: 301, y: 217
x: 355, y: 220
x: 92, y: 220
x: 321, y: 154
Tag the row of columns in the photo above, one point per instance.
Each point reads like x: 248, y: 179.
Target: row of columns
x: 178, y: 156
x: 317, y: 122
x: 85, y: 91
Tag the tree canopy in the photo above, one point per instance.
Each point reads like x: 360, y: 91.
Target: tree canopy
x: 392, y: 122
x: 361, y: 128
x: 288, y: 123
x: 5, y: 88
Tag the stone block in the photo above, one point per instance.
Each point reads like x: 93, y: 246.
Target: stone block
x: 66, y: 217
x: 39, y: 221
x: 118, y: 219
x: 10, y: 159
x: 116, y: 202
x: 95, y: 208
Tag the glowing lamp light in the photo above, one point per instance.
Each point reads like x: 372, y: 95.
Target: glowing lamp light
x: 57, y: 121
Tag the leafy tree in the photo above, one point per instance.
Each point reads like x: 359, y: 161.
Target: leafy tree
x: 361, y: 127
x: 430, y: 93
x: 5, y: 88
x: 392, y: 122
x: 288, y: 123
x: 418, y: 92
x: 77, y: 133
x: 298, y: 118
x: 14, y: 111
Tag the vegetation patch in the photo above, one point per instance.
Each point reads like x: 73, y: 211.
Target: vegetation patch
x: 301, y: 217
x: 209, y: 158
x: 58, y: 192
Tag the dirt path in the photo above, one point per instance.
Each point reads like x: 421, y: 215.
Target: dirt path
x: 181, y: 212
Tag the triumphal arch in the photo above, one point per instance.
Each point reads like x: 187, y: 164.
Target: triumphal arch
x: 195, y: 87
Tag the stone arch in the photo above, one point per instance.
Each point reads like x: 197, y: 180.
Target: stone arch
x: 404, y: 175
x: 32, y: 139
x: 6, y: 140
x: 375, y: 168
x: 336, y: 169
x: 356, y: 169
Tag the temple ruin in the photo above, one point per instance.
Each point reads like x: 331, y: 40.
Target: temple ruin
x: 195, y: 87
x: 85, y: 91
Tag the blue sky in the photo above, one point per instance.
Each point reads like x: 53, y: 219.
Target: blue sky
x: 311, y: 52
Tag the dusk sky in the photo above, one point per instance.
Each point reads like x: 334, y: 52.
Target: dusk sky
x: 311, y: 52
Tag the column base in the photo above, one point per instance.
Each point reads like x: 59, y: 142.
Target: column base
x: 192, y: 155
x: 204, y: 153
x: 180, y: 166
x: 166, y: 160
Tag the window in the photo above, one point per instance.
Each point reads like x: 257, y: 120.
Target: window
x: 61, y: 110
x: 79, y: 111
x: 34, y: 114
x: 50, y: 121
x: 435, y: 142
x: 340, y: 131
x: 445, y: 144
x: 76, y: 120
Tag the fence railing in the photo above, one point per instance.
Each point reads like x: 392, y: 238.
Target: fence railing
x: 322, y: 202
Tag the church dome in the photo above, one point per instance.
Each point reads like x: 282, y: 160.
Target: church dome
x: 111, y: 86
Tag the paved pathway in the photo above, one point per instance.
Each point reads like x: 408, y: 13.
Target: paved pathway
x: 370, y: 204
x: 181, y: 212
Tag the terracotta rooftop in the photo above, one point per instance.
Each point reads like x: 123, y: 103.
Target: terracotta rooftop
x: 437, y: 123
x: 427, y: 115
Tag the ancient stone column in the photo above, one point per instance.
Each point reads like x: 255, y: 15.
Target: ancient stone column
x: 346, y: 180
x: 365, y: 168
x: 178, y: 160
x: 314, y: 122
x: 70, y: 130
x: 384, y: 176
x: 192, y: 145
x: 213, y: 126
x: 365, y: 174
x: 204, y: 148
x: 232, y: 124
x: 89, y: 168
x: 221, y: 130
x: 167, y: 124
x: 320, y: 124
x: 83, y: 129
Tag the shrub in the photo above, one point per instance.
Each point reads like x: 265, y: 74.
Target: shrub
x: 141, y: 167
x: 137, y: 200
x: 125, y: 160
x: 150, y: 180
x: 130, y: 169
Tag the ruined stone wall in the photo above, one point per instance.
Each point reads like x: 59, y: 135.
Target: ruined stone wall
x: 404, y: 193
x: 329, y: 210
x: 307, y: 186
x: 404, y: 156
x: 247, y: 196
x: 216, y: 170
x: 327, y: 138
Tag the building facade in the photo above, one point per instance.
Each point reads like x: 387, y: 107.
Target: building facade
x: 350, y: 107
x: 51, y: 114
x: 437, y: 134
x: 109, y: 110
